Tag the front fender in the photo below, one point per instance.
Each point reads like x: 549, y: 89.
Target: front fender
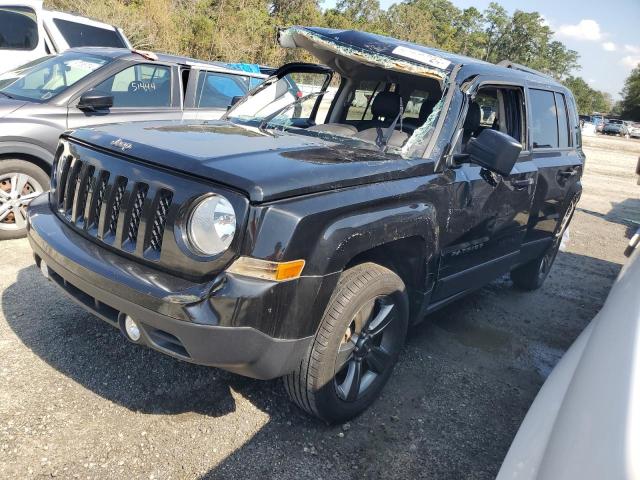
x: 330, y: 229
x: 21, y: 149
x: 356, y: 233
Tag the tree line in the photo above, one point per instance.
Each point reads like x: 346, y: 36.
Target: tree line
x: 244, y: 31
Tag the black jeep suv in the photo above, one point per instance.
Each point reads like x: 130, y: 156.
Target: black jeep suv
x: 303, y: 233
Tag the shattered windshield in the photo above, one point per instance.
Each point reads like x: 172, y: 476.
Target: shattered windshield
x: 393, y: 116
x: 383, y: 93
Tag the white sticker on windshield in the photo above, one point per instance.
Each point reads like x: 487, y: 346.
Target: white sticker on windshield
x: 83, y: 65
x: 421, y: 57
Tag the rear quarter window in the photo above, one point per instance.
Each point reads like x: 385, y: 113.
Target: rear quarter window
x: 18, y: 28
x: 81, y: 35
x: 563, y: 121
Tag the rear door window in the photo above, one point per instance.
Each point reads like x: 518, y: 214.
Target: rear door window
x: 544, y: 119
x: 82, y: 35
x: 18, y: 28
x: 216, y: 90
x: 143, y: 85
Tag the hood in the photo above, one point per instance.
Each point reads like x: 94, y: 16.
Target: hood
x: 9, y: 105
x: 265, y: 165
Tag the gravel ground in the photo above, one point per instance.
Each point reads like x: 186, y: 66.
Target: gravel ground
x: 77, y: 401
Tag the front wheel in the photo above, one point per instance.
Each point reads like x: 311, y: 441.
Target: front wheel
x: 356, y: 347
x: 20, y: 182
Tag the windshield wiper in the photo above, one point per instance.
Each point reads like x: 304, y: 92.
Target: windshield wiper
x: 6, y: 95
x: 265, y: 121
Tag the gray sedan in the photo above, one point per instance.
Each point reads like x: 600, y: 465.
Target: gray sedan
x: 89, y: 86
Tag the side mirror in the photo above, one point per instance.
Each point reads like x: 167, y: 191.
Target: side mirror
x: 495, y: 151
x: 93, y: 101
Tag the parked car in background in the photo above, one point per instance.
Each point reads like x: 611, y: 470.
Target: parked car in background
x: 300, y: 235
x: 29, y: 32
x: 634, y: 130
x: 598, y: 120
x: 88, y: 86
x: 615, y: 127
x: 585, y: 421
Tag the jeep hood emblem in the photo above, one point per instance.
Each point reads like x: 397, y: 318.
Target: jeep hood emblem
x: 121, y: 144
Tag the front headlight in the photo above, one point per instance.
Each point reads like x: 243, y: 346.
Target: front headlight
x: 211, y: 225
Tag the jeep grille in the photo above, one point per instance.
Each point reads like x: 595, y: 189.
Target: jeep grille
x: 117, y: 210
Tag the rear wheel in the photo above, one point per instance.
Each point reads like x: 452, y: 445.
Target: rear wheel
x: 532, y: 274
x: 20, y: 182
x: 356, y: 346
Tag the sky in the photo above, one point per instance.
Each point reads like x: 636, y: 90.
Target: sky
x: 605, y: 33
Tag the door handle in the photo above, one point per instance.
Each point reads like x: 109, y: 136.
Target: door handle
x: 522, y: 184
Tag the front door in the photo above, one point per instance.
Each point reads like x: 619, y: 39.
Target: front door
x: 488, y: 214
x: 144, y: 91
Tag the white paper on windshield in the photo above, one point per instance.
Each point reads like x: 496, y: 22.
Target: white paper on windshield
x: 83, y: 65
x: 421, y: 57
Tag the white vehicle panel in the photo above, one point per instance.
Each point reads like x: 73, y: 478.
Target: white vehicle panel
x: 585, y: 421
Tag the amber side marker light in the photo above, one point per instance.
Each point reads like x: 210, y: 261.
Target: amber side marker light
x: 266, y: 270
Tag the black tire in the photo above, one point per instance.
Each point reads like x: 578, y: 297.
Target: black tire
x: 367, y: 296
x: 38, y: 181
x: 532, y: 274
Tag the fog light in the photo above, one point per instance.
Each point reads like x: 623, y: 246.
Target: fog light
x: 44, y: 268
x: 132, y: 328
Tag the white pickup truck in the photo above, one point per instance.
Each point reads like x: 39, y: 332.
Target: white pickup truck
x: 29, y: 32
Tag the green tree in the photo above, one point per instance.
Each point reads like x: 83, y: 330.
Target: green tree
x: 244, y: 30
x: 470, y: 32
x: 630, y: 104
x: 588, y: 100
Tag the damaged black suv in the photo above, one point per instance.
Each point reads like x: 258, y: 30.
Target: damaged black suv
x: 332, y: 207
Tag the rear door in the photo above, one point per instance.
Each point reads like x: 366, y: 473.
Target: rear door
x: 489, y: 214
x: 142, y: 91
x: 556, y: 152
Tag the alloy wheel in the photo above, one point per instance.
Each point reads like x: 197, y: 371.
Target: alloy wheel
x: 16, y: 192
x: 367, y: 348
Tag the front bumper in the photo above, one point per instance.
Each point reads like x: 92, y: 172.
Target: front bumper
x: 176, y: 316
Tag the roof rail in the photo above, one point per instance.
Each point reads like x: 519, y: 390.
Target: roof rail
x: 522, y: 68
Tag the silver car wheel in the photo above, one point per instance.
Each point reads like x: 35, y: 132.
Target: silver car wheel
x: 16, y: 192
